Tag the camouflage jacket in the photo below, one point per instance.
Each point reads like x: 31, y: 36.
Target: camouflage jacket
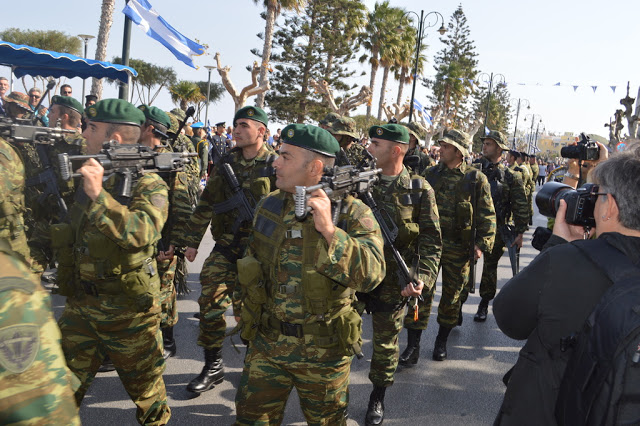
x: 257, y: 180
x: 33, y: 370
x: 114, y: 243
x: 12, y: 206
x: 508, y: 194
x: 354, y: 155
x: 453, y: 196
x: 308, y: 281
x: 526, y: 177
x: 411, y: 204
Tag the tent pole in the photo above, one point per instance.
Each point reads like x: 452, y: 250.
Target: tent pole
x: 126, y: 42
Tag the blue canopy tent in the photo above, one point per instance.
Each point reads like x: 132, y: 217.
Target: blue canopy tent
x: 27, y: 60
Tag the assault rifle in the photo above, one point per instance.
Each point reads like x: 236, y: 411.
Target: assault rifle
x: 43, y: 138
x: 508, y: 234
x: 337, y: 182
x: 127, y: 160
x: 188, y: 114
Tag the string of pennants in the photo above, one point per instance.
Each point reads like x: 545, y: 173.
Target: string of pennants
x: 558, y: 84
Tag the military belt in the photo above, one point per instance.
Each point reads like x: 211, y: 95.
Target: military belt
x: 90, y: 288
x: 286, y: 328
x: 320, y: 330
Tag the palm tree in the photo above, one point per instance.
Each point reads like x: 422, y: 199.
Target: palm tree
x: 375, y: 38
x: 390, y: 49
x: 185, y: 92
x: 106, y: 19
x: 274, y: 7
x: 406, y: 58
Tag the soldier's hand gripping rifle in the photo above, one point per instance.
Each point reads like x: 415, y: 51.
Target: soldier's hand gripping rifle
x: 43, y: 138
x: 127, y: 160
x: 337, y: 183
x: 238, y: 200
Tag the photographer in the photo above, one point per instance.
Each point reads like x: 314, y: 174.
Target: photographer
x: 548, y: 301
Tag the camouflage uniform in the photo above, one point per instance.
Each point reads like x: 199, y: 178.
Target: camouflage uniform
x: 529, y: 186
x: 12, y: 207
x: 510, y: 204
x: 453, y: 188
x: 112, y: 291
x: 411, y: 203
x: 344, y: 130
x: 218, y: 273
x: 535, y: 171
x: 36, y: 387
x: 417, y: 161
x: 302, y: 327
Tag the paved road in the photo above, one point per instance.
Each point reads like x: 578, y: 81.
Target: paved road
x: 465, y: 390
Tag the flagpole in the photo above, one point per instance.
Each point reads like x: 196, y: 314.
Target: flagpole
x: 126, y: 41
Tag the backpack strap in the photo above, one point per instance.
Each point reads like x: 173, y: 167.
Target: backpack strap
x: 615, y: 264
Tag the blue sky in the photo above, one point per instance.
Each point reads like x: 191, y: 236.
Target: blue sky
x: 538, y: 44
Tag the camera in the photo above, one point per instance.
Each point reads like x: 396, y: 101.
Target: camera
x: 580, y: 202
x: 585, y: 150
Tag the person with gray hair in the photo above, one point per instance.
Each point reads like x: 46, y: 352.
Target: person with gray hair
x: 4, y: 88
x: 547, y: 301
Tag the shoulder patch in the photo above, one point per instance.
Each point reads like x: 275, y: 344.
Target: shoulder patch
x: 19, y: 346
x: 158, y: 200
x: 367, y: 223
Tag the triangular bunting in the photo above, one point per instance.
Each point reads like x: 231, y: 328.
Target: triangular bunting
x: 575, y: 88
x: 594, y: 88
x: 557, y: 84
x: 613, y: 88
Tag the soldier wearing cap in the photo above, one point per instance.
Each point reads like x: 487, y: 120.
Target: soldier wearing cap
x: 512, y: 214
x: 251, y: 162
x: 219, y: 141
x: 344, y: 130
x: 107, y: 269
x: 16, y: 104
x: 200, y: 141
x: 298, y: 281
x: 90, y: 100
x: 527, y: 177
x: 453, y: 182
x: 411, y: 204
x: 415, y: 159
x: 326, y: 122
x: 181, y: 206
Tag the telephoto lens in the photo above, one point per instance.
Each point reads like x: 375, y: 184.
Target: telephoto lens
x: 580, y: 202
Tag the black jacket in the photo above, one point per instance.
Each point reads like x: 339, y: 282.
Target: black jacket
x: 548, y: 300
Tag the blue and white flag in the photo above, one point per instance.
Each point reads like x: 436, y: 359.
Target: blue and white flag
x: 417, y: 105
x: 145, y: 16
x: 486, y: 130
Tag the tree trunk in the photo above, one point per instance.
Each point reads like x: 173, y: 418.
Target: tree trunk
x: 266, y: 48
x: 106, y: 20
x: 306, y: 73
x: 383, y: 88
x: 401, y: 82
x: 372, y: 81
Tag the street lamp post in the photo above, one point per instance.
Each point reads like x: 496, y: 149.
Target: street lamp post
x: 535, y: 142
x: 85, y: 38
x: 206, y: 108
x: 515, y: 130
x: 486, y: 78
x: 421, y: 28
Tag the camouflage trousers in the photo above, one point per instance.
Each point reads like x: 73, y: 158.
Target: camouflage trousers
x: 135, y: 348
x: 384, y: 361
x: 168, y: 295
x: 218, y: 279
x: 266, y: 382
x: 488, y: 283
x: 424, y: 310
x: 42, y: 392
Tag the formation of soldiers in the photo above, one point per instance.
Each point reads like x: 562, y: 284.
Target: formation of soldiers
x: 298, y: 287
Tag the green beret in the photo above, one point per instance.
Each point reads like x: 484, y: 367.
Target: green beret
x: 252, y: 113
x: 180, y: 114
x: 67, y: 101
x: 155, y: 114
x: 343, y: 126
x: 312, y: 138
x: 390, y: 132
x: 457, y: 138
x: 498, y: 137
x: 116, y: 111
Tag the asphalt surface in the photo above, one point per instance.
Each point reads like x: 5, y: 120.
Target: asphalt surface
x: 466, y: 389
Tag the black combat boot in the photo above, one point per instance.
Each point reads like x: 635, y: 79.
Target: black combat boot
x: 212, y: 372
x: 440, y: 348
x: 169, y: 343
x: 481, y: 315
x: 460, y: 318
x: 107, y: 365
x: 410, y: 355
x: 375, y: 411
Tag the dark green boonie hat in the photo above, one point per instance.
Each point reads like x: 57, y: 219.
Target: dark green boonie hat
x: 68, y: 102
x: 390, y: 132
x: 312, y: 138
x: 174, y: 123
x: 329, y: 118
x: 343, y: 126
x: 155, y: 114
x: 498, y: 137
x: 416, y: 130
x: 116, y: 111
x: 457, y: 138
x: 252, y: 113
x: 180, y: 114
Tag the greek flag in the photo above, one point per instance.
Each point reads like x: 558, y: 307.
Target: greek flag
x: 486, y: 130
x: 145, y: 16
x: 418, y: 106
